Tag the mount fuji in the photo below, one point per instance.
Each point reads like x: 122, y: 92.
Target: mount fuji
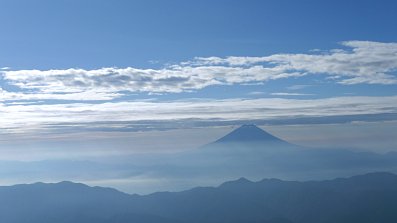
x: 249, y: 133
x: 250, y: 139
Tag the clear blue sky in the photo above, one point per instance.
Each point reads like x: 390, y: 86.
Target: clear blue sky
x: 92, y: 34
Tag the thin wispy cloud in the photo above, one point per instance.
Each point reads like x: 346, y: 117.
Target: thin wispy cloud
x: 298, y: 87
x: 80, y: 96
x: 289, y: 94
x: 256, y: 93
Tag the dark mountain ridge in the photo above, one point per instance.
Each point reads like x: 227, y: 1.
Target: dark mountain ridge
x: 366, y: 198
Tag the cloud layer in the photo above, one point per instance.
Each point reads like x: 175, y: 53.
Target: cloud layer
x: 47, y: 117
x: 360, y: 62
x: 87, y: 96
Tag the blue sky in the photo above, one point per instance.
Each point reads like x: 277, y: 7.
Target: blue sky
x: 83, y: 67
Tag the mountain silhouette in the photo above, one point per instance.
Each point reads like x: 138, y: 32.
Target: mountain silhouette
x: 366, y: 198
x: 249, y: 133
x: 249, y: 137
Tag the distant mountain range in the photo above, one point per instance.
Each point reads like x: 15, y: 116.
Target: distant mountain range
x: 368, y: 198
x: 247, y: 151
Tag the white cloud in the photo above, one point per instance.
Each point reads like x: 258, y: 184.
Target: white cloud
x: 363, y: 62
x: 173, y: 79
x: 366, y: 62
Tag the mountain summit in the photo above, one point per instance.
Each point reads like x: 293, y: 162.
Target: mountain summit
x: 249, y: 133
